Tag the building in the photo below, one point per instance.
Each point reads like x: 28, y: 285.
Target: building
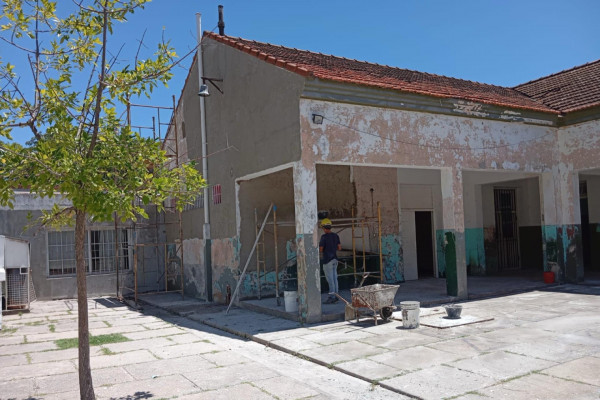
x: 52, y: 251
x: 469, y: 178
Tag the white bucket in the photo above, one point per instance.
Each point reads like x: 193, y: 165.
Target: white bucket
x: 410, y: 314
x: 291, y: 301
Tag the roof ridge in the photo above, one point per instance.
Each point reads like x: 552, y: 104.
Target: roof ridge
x: 557, y: 73
x: 308, y: 65
x: 240, y: 40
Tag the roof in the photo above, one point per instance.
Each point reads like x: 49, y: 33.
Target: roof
x: 338, y: 69
x: 574, y: 89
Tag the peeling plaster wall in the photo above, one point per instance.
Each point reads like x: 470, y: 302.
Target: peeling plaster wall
x: 370, y: 135
x: 579, y: 145
x: 335, y: 190
x: 193, y: 268
x: 379, y: 185
x: 251, y: 127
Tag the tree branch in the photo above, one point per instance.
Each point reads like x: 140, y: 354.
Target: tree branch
x: 30, y: 158
x: 101, y: 84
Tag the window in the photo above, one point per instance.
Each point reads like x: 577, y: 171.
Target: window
x: 216, y: 191
x: 99, y: 251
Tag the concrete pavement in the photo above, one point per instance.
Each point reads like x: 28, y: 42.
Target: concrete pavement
x: 542, y: 344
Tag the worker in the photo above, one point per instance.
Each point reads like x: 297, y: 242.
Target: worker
x: 328, y: 247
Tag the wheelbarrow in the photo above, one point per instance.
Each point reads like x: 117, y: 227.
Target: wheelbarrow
x: 378, y: 298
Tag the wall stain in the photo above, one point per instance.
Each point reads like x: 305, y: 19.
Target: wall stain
x: 393, y: 264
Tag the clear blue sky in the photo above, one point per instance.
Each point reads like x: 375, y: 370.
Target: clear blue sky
x: 499, y: 42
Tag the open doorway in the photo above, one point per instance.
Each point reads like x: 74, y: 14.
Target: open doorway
x: 585, y: 225
x: 417, y: 244
x: 507, y: 229
x: 424, y: 238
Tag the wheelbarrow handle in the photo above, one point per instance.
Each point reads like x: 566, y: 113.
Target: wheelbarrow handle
x: 365, y: 276
x: 342, y: 299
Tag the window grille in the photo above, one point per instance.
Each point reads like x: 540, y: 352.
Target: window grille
x: 216, y: 190
x: 99, y: 251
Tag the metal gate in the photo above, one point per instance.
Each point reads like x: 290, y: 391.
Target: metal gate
x: 507, y: 229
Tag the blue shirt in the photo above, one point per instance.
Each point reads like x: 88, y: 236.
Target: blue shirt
x: 329, y: 242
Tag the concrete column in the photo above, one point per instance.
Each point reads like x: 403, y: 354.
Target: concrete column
x: 561, y: 223
x: 453, y: 245
x: 307, y: 251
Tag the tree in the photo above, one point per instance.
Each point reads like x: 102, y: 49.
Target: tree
x: 67, y: 94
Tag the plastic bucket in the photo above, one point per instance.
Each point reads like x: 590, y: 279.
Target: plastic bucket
x: 548, y: 277
x: 410, y: 314
x: 291, y: 301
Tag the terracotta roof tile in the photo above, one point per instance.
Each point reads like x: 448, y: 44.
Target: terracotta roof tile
x: 570, y: 90
x: 328, y: 67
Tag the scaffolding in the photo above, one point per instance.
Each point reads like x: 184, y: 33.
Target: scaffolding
x: 167, y: 257
x: 361, y: 228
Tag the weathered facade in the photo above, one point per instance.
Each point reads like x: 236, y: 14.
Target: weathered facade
x: 52, y: 251
x: 469, y: 178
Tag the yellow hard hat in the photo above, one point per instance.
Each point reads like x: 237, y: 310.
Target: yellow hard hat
x: 325, y: 222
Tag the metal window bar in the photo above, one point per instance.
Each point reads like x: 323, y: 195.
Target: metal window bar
x: 507, y: 229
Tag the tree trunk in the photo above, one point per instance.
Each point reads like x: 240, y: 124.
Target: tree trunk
x: 86, y: 387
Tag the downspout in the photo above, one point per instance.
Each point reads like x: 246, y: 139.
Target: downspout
x: 206, y: 227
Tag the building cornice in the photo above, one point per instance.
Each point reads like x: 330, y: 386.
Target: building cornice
x: 355, y: 94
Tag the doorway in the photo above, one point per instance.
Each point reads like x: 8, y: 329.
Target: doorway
x: 424, y: 238
x: 417, y: 244
x: 585, y: 226
x: 507, y: 229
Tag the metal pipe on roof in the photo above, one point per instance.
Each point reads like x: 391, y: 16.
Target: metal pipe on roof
x: 221, y: 24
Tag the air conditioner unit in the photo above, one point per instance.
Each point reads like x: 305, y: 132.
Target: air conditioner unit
x: 17, y: 286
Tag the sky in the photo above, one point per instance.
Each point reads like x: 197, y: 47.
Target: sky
x: 504, y: 42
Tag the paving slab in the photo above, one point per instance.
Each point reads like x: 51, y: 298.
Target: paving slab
x: 439, y: 382
x: 225, y: 358
x: 244, y: 391
x: 414, y: 358
x: 551, y: 349
x: 56, y: 355
x: 443, y: 322
x: 160, y: 387
x: 155, y: 368
x: 16, y: 372
x: 70, y: 382
x: 369, y: 369
x: 342, y: 352
x: 113, y: 360
x: 17, y: 389
x: 27, y: 348
x: 398, y: 341
x: 501, y: 365
x: 585, y: 369
x: 152, y: 343
x: 295, y: 344
x: 185, y: 338
x: 543, y: 387
x: 284, y: 388
x: 230, y: 376
x: 181, y: 350
x: 13, y: 359
x: 337, y: 336
x: 140, y: 333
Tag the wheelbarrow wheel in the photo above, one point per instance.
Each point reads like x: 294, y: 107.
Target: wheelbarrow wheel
x: 386, y: 313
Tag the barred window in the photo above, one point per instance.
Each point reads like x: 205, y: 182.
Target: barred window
x: 99, y: 251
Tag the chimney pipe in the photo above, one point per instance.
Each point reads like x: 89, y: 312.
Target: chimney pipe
x: 221, y: 22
